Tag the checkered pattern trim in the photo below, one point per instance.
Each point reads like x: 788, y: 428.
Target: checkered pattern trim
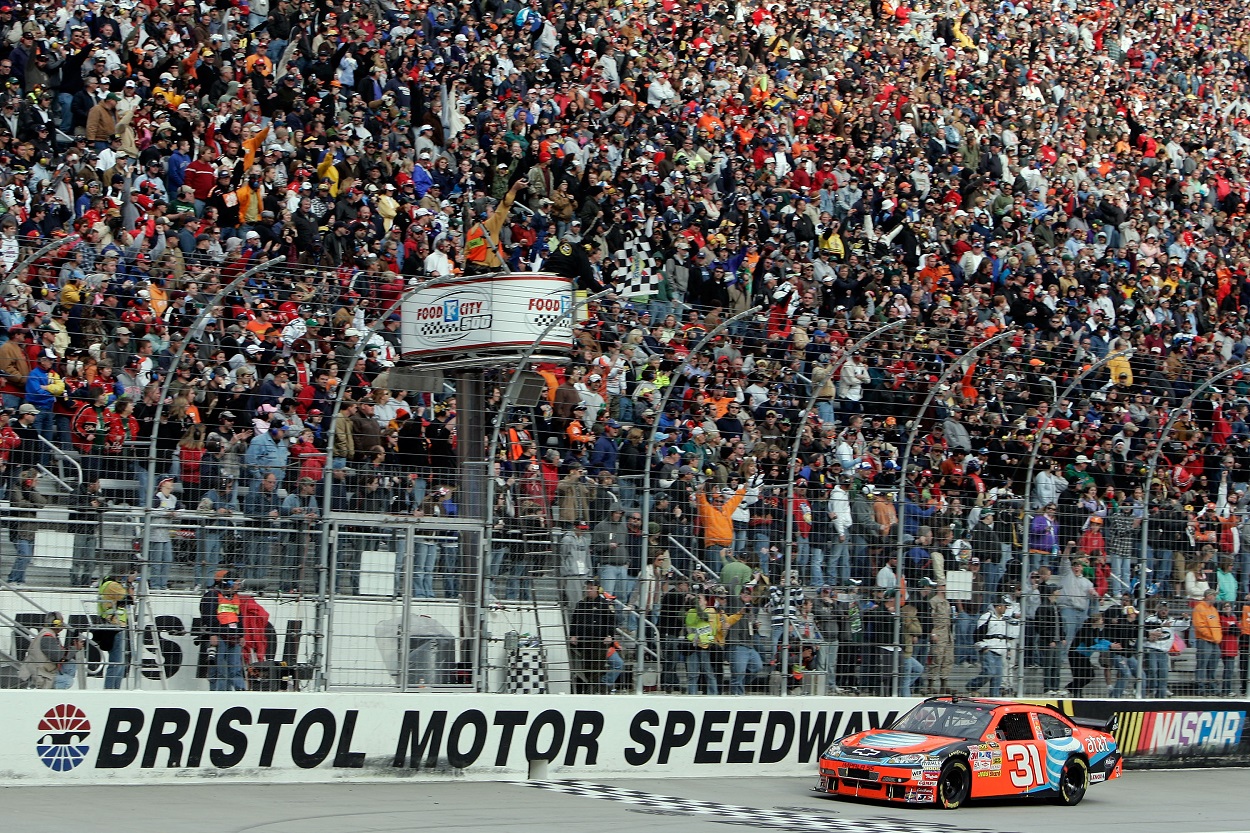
x: 543, y: 320
x: 527, y: 673
x: 803, y: 819
x: 438, y: 328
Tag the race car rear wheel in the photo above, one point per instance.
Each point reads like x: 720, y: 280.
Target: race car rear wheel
x: 1073, y: 782
x: 954, y: 784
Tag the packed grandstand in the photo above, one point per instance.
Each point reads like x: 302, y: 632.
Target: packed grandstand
x: 773, y: 182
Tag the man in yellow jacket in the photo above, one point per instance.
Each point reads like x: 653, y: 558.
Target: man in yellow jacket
x: 706, y: 625
x: 483, y: 253
x: 716, y: 517
x: 1207, y: 636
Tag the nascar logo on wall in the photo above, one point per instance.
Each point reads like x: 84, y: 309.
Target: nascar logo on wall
x: 1172, y: 733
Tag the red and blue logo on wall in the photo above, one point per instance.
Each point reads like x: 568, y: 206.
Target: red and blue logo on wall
x: 63, y: 733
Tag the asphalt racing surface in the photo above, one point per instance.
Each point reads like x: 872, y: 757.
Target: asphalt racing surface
x: 1194, y: 801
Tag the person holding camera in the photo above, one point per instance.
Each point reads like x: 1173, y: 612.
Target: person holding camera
x: 50, y: 662
x: 220, y: 609
x: 114, y: 595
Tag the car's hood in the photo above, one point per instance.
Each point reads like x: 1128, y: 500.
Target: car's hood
x: 878, y: 744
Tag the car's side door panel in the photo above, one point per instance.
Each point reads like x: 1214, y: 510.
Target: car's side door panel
x: 1011, y: 761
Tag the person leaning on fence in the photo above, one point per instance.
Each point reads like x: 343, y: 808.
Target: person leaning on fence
x: 1207, y: 637
x: 263, y: 510
x: 26, y: 501
x: 996, y: 633
x: 592, y: 643
x: 161, y: 553
x: 87, y: 517
x: 574, y: 563
x: 1158, y: 657
x: 216, y: 509
x: 302, y: 509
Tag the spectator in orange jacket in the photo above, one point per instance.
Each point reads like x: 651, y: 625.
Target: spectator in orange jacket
x: 576, y: 431
x: 1207, y: 638
x: 716, y: 517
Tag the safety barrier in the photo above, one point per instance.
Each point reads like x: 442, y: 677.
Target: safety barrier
x: 88, y: 737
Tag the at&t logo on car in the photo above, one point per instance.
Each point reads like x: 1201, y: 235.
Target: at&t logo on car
x: 63, y: 734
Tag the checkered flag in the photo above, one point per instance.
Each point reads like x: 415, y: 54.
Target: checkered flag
x: 636, y: 272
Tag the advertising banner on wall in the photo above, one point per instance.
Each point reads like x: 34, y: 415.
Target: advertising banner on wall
x: 131, y: 737
x: 84, y: 737
x: 1172, y: 733
x: 497, y: 314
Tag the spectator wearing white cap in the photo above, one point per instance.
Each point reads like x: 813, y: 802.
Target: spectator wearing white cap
x: 439, y: 262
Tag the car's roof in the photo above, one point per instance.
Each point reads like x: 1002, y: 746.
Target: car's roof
x: 971, y: 701
x: 996, y: 705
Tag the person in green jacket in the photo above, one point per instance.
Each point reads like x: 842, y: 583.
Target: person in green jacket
x: 700, y: 631
x: 1226, y: 586
x: 736, y: 573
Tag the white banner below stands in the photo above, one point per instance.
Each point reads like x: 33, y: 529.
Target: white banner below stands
x: 87, y: 737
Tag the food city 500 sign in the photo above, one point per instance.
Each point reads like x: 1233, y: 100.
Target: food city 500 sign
x: 497, y: 313
x: 140, y: 736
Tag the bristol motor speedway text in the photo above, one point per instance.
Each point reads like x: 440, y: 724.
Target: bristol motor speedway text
x: 242, y: 736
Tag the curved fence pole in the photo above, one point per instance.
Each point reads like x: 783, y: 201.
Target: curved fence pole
x: 793, y: 458
x: 646, y: 484
x: 1075, y: 383
x: 320, y: 654
x: 1144, y: 546
x: 149, y: 489
x: 568, y: 317
x: 961, y: 364
x: 38, y: 253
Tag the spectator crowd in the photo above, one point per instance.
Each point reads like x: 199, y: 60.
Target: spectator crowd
x: 1072, y: 174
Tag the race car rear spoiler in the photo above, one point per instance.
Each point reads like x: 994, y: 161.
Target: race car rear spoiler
x: 1109, y: 725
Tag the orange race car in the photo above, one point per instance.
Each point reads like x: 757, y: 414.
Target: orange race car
x: 948, y: 750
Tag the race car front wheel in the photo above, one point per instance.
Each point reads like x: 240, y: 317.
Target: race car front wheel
x: 954, y: 784
x: 1073, y: 782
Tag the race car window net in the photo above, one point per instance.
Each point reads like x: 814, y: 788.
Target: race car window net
x: 1015, y: 726
x: 949, y: 720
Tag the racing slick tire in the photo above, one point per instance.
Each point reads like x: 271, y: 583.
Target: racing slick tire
x: 1073, y: 782
x: 954, y: 784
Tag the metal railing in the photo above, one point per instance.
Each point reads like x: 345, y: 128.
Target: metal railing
x: 386, y: 590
